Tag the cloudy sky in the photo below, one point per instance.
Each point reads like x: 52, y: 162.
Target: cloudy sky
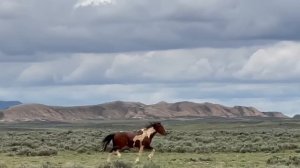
x: 78, y: 52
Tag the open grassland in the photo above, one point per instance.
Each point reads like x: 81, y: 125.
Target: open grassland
x: 172, y: 160
x: 190, y: 143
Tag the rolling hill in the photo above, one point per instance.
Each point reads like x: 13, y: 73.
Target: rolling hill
x: 275, y: 114
x: 129, y: 110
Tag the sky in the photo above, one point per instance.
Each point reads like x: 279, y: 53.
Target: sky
x: 80, y: 52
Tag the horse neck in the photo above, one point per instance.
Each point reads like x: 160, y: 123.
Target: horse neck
x: 150, y: 132
x: 152, y: 135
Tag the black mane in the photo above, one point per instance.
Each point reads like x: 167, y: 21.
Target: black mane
x: 151, y: 124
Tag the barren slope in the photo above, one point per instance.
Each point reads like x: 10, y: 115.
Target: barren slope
x: 128, y: 110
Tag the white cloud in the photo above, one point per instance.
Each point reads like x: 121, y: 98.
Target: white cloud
x: 151, y: 43
x: 277, y: 62
x: 221, y: 75
x: 46, y: 72
x: 89, y: 68
x: 155, y: 66
x: 176, y: 65
x: 8, y: 6
x: 85, y: 3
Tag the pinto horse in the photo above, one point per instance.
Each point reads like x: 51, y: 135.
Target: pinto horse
x: 140, y: 139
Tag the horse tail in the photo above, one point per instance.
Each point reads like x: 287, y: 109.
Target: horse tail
x: 107, y: 140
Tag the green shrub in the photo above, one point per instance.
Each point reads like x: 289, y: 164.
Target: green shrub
x: 244, y: 140
x: 25, y: 151
x: 297, y: 150
x: 288, y: 146
x: 46, y: 151
x: 22, y: 166
x: 187, y: 143
x: 205, y: 159
x: 73, y: 165
x: 120, y: 164
x: 3, y: 165
x: 82, y: 149
x: 48, y: 165
x: 295, y: 160
x: 150, y: 165
x: 116, y: 164
x: 257, y: 139
x: 292, y: 160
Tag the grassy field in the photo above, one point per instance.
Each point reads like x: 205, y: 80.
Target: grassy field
x: 192, y: 143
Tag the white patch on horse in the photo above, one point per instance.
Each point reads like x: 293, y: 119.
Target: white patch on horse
x: 146, y: 133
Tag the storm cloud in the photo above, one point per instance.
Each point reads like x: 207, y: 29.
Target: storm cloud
x: 53, y: 26
x: 75, y: 52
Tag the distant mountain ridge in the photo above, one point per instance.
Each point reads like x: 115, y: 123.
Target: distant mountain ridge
x: 129, y: 110
x: 275, y: 114
x: 297, y: 116
x: 7, y: 104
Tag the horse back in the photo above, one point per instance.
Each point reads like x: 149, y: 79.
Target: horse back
x: 123, y: 139
x: 126, y: 139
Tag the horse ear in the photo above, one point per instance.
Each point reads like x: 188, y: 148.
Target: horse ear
x: 149, y: 124
x: 158, y: 122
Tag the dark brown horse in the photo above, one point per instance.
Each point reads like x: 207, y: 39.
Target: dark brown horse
x: 140, y: 139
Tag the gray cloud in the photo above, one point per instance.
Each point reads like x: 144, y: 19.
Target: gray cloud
x: 32, y: 26
x: 279, y: 62
x: 76, y: 52
x: 171, y: 66
x: 269, y: 63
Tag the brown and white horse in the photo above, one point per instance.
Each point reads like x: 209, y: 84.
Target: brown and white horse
x: 140, y: 139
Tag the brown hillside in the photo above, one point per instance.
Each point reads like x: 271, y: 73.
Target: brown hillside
x: 275, y: 114
x: 127, y: 110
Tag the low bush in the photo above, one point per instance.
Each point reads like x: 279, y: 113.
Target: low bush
x: 3, y: 165
x: 297, y: 150
x: 41, y: 151
x: 151, y: 165
x: 292, y: 160
x: 242, y: 140
x: 205, y: 159
x: 116, y: 164
x: 24, y: 151
x: 46, y: 151
x: 48, y: 165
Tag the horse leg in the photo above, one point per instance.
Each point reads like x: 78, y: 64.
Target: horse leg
x: 140, y: 153
x: 113, y: 150
x: 109, y: 157
x: 119, y: 154
x: 150, y: 156
x: 152, y: 152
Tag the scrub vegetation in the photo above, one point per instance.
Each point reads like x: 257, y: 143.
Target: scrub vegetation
x: 192, y: 143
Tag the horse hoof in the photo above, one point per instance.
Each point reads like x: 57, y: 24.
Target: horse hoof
x: 150, y: 156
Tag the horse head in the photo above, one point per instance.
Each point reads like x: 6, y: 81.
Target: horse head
x: 158, y: 127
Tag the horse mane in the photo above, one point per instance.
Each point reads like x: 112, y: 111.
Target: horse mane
x: 151, y: 124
